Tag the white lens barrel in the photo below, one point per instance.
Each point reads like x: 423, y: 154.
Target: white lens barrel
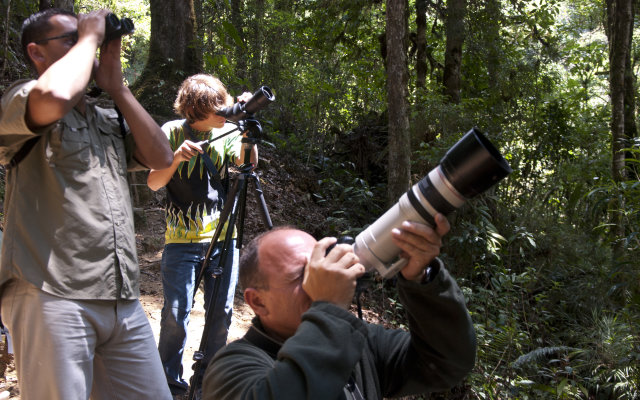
x: 374, y: 246
x: 445, y: 188
x: 469, y: 168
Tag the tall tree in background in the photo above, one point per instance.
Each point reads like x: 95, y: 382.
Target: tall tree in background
x: 240, y: 50
x: 421, y: 43
x: 257, y: 35
x: 619, y: 31
x: 455, y: 33
x: 5, y: 39
x: 277, y: 39
x: 173, y: 54
x: 492, y: 17
x: 399, y: 151
x: 63, y: 4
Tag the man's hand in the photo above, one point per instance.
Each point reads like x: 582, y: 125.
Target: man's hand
x: 108, y: 75
x: 244, y: 97
x: 186, y: 150
x: 92, y: 25
x: 420, y: 244
x: 332, y: 278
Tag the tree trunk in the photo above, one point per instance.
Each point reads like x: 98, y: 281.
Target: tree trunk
x: 255, y: 47
x: 172, y: 54
x: 240, y: 51
x: 275, y: 51
x: 491, y: 21
x: 630, y: 127
x: 421, y: 43
x: 399, y: 173
x: 619, y: 26
x: 5, y: 42
x: 454, y: 29
x: 198, y: 8
x: 44, y: 4
x: 198, y: 11
x: 277, y: 36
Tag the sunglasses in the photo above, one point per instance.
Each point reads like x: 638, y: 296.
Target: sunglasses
x: 71, y: 36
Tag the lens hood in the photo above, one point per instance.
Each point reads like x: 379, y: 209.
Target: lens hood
x: 473, y: 164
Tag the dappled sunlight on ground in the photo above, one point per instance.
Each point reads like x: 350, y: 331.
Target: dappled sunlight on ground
x: 151, y: 299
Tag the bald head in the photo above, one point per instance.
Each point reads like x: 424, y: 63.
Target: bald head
x: 272, y: 270
x: 266, y: 248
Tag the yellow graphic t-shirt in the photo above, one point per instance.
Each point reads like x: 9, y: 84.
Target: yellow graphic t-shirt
x: 194, y: 200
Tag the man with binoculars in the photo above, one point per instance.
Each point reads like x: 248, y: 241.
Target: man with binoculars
x: 305, y: 344
x: 69, y: 272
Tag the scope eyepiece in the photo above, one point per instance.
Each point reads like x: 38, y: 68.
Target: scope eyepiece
x: 115, y: 27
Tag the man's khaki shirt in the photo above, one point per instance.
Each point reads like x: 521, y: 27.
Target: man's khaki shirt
x: 68, y: 216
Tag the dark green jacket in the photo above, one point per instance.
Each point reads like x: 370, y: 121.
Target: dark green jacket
x: 332, y: 349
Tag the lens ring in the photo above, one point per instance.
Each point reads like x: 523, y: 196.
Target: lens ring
x: 419, y: 207
x: 437, y: 177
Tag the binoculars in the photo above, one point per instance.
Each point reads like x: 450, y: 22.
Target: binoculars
x: 115, y: 27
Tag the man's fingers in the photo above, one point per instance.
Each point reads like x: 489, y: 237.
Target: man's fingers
x: 419, y: 236
x: 338, y: 251
x: 320, y: 248
x: 356, y: 270
x: 442, y: 224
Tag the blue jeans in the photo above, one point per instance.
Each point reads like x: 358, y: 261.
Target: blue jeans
x: 181, y: 264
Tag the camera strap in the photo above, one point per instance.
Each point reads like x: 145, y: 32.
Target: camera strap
x: 214, y: 174
x: 22, y: 153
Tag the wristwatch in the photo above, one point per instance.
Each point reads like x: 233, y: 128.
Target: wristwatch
x: 430, y: 271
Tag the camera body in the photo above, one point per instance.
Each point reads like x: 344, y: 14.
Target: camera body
x: 469, y: 167
x: 115, y: 27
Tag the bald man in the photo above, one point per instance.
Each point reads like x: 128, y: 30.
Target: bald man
x: 305, y: 344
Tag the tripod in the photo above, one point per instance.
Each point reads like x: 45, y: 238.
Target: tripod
x: 233, y: 210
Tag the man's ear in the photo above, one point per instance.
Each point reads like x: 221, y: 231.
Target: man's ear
x: 253, y: 298
x: 35, y: 53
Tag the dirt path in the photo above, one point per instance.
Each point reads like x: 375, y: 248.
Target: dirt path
x: 151, y: 299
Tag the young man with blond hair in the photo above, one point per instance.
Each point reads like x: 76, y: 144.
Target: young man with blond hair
x: 195, y: 198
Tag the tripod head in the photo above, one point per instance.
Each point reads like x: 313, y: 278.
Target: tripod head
x: 250, y: 125
x: 253, y: 128
x: 242, y: 115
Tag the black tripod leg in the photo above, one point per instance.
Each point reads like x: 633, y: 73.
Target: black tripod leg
x: 242, y: 203
x: 224, y: 216
x: 263, y: 204
x: 200, y: 355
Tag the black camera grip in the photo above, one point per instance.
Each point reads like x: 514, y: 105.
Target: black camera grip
x: 342, y: 239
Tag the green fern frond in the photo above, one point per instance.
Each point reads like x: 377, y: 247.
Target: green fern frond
x: 539, y: 354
